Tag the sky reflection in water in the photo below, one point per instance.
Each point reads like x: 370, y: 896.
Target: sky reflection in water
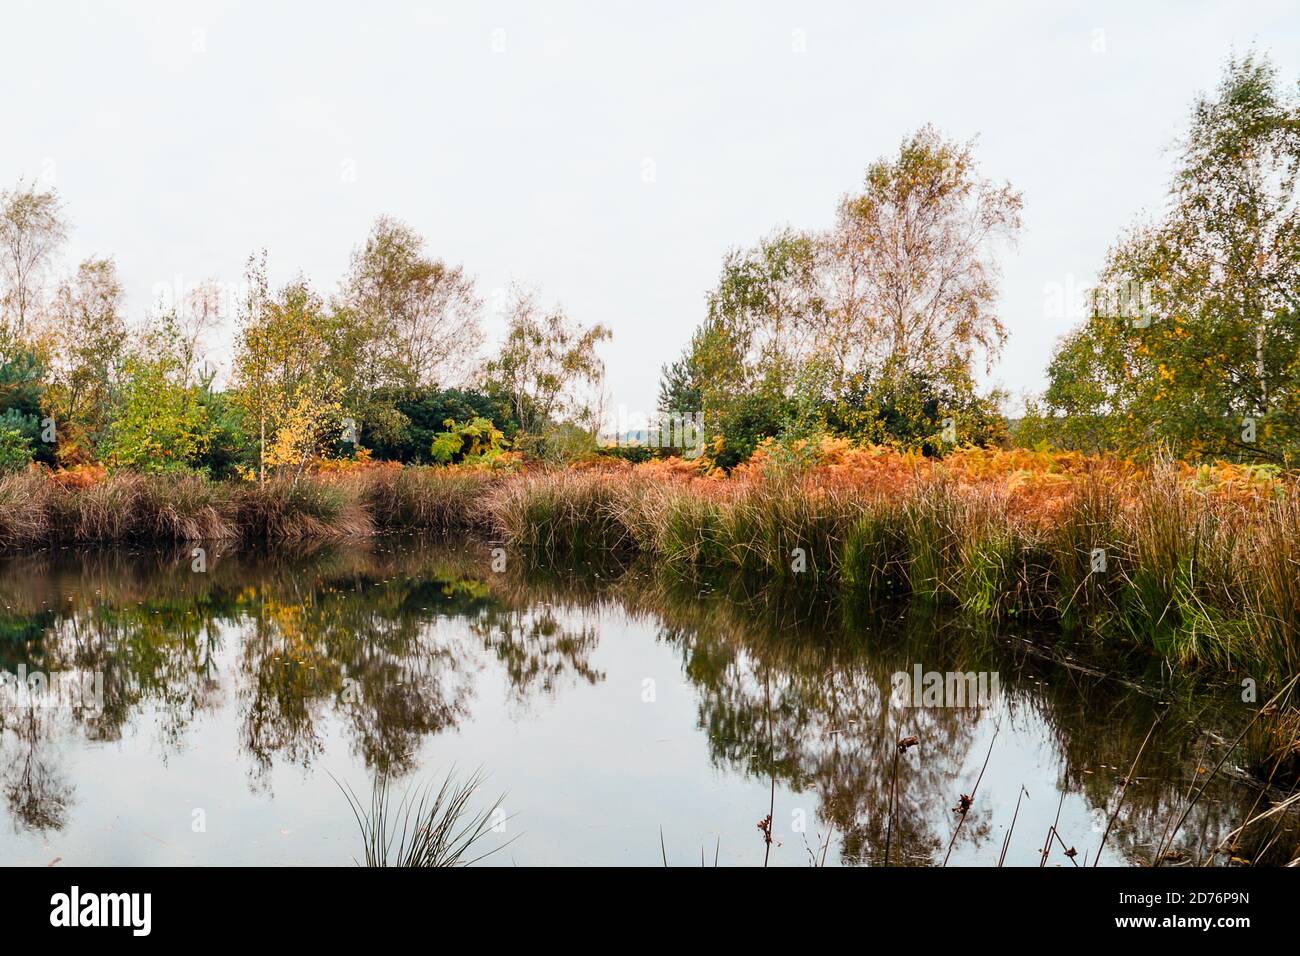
x: 605, y: 705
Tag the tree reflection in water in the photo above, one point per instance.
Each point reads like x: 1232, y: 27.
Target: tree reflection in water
x: 384, y: 643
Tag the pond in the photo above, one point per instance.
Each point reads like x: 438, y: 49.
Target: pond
x: 621, y: 717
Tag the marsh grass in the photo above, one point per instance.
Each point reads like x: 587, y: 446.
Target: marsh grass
x: 24, y: 510
x: 562, y: 514
x: 34, y: 510
x: 441, y: 500
x: 426, y: 827
x: 1190, y: 577
x: 37, y: 510
x: 932, y: 519
x: 1187, y: 577
x: 789, y: 529
x: 108, y: 510
x: 284, y: 510
x: 997, y: 575
x: 875, y: 554
x: 684, y: 531
x: 183, y: 508
x: 1091, y: 521
x: 1266, y: 559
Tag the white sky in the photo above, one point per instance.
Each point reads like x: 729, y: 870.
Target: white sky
x: 184, y: 136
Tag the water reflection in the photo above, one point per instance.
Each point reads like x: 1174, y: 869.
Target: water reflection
x: 809, y: 694
x: 383, y: 647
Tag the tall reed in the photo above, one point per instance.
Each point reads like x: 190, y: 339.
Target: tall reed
x: 563, y: 513
x: 444, y: 500
x: 427, y: 828
x: 1194, y: 578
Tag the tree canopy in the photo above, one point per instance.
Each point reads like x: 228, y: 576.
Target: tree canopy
x: 1194, y: 340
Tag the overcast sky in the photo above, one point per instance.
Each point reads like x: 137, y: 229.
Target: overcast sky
x: 608, y: 153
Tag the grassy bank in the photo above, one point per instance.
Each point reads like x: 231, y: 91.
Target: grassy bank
x: 38, y: 509
x: 1199, y: 566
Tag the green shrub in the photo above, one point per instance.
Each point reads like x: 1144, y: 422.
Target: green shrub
x: 15, y: 450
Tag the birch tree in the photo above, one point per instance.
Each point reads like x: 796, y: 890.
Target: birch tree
x: 32, y: 229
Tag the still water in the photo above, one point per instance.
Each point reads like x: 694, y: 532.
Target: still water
x: 622, y: 717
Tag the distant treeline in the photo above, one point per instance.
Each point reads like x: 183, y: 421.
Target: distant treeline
x: 874, y: 329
